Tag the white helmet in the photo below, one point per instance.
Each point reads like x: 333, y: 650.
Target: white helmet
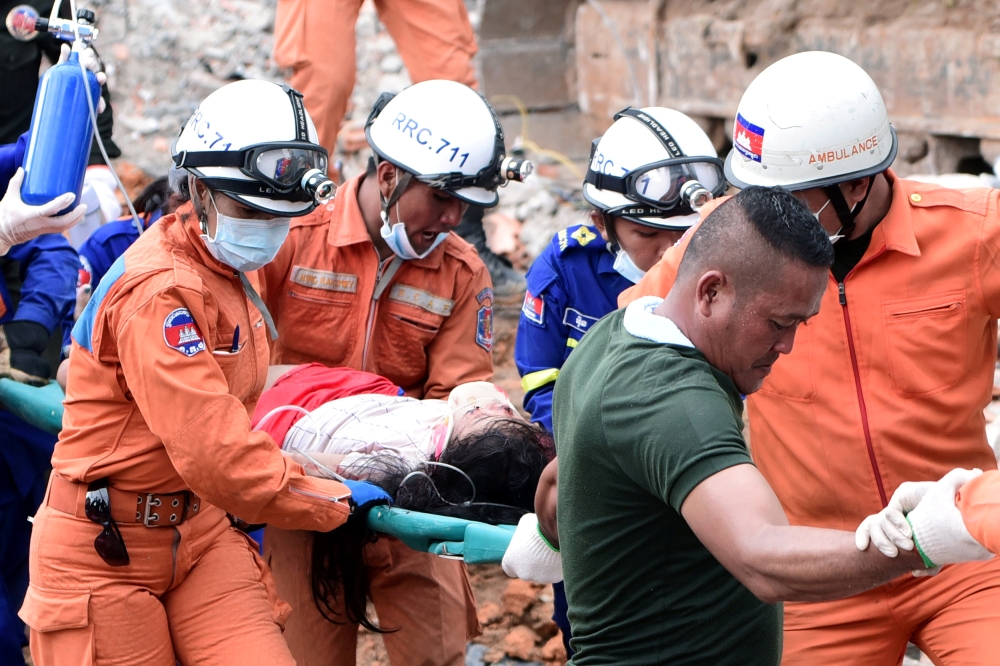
x: 653, y: 166
x: 446, y: 135
x: 254, y: 141
x: 810, y: 120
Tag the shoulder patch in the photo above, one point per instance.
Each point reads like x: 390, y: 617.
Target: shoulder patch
x: 579, y: 236
x: 484, y: 320
x: 583, y: 235
x: 181, y: 333
x: 85, y: 274
x: 576, y: 319
x: 534, y: 308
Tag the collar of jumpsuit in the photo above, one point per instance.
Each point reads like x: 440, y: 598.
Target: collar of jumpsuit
x: 347, y: 225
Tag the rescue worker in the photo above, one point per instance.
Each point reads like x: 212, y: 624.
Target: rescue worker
x: 633, y: 184
x: 888, y: 383
x: 134, y: 557
x: 375, y: 281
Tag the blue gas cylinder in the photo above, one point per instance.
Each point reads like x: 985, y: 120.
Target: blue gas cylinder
x: 61, y: 133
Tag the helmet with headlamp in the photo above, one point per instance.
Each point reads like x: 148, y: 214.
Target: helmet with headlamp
x: 654, y: 166
x: 445, y: 135
x: 253, y: 141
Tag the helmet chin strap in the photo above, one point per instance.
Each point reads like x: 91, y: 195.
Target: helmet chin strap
x: 402, y: 183
x: 199, y: 211
x: 845, y: 213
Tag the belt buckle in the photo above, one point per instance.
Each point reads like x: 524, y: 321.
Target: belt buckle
x: 149, y: 515
x: 174, y: 507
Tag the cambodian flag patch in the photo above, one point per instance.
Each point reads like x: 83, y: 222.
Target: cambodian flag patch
x: 748, y: 139
x: 181, y: 333
x: 534, y: 308
x: 484, y: 320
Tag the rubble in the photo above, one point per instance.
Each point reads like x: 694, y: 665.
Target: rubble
x: 162, y: 59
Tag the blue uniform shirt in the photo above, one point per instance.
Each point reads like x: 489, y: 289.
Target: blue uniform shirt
x: 571, y: 285
x: 11, y: 157
x: 107, y: 243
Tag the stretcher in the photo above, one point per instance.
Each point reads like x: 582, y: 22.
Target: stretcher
x: 476, y: 543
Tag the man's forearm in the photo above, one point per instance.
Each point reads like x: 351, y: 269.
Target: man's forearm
x: 813, y: 564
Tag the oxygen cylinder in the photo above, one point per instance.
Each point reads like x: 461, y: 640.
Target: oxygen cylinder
x: 61, y: 133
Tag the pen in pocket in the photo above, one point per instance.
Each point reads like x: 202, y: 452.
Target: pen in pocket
x: 236, y: 340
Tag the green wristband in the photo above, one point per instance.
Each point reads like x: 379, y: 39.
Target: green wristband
x: 927, y: 561
x: 538, y: 528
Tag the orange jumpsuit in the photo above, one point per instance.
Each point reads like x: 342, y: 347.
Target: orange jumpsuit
x: 429, y: 331
x: 315, y: 38
x: 158, y: 402
x: 979, y: 502
x: 888, y: 384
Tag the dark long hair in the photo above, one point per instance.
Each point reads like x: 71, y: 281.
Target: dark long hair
x: 504, y: 461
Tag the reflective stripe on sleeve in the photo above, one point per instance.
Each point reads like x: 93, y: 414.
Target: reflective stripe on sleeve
x: 535, y: 380
x: 570, y: 342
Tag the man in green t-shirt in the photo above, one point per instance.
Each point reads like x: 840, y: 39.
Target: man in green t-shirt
x: 674, y: 548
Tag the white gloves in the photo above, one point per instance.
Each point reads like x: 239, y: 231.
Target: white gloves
x: 90, y: 60
x: 530, y: 556
x: 938, y: 529
x: 924, y: 514
x: 888, y: 530
x: 20, y: 222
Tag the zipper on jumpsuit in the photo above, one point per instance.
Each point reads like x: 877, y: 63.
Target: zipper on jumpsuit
x: 861, y: 397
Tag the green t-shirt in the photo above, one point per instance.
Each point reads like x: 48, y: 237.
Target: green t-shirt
x: 638, y: 425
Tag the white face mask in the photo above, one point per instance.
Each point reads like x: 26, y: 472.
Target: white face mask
x: 396, y: 238
x: 399, y: 242
x: 245, y: 245
x: 833, y: 237
x: 627, y: 268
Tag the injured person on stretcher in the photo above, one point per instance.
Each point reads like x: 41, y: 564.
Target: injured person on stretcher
x: 471, y: 456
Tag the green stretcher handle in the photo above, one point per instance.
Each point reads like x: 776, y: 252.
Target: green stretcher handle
x: 40, y: 406
x: 476, y: 543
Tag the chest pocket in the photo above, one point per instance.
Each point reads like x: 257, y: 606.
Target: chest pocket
x: 239, y: 367
x: 320, y: 324
x: 406, y: 329
x: 926, y: 341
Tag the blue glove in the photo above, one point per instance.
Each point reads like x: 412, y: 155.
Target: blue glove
x: 365, y: 495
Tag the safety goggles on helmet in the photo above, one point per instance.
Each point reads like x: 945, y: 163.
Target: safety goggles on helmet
x: 677, y: 185
x: 280, y: 170
x: 277, y: 168
x: 498, y: 171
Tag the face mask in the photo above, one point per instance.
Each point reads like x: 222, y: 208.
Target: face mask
x: 627, y: 268
x: 397, y: 240
x: 833, y: 237
x: 245, y: 245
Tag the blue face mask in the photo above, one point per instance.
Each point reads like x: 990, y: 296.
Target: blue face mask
x: 246, y: 245
x: 627, y: 268
x: 399, y: 242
